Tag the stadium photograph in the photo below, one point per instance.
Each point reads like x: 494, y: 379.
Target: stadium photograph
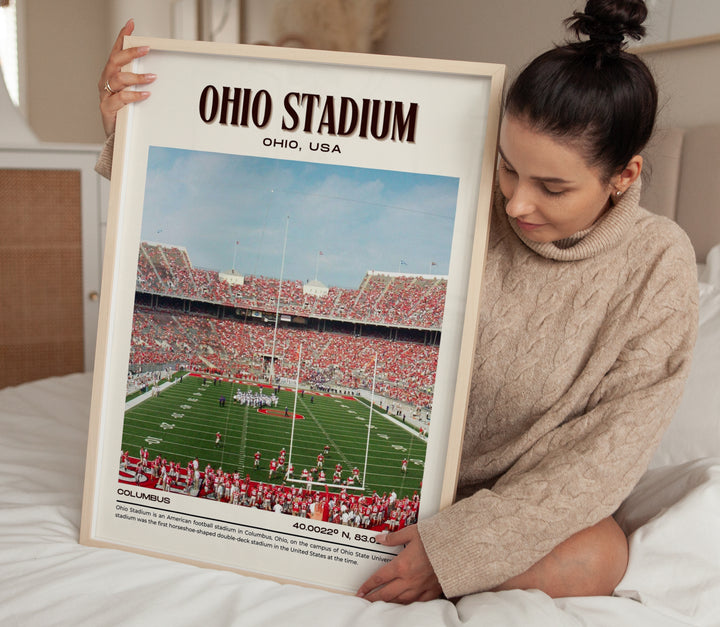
x: 285, y: 338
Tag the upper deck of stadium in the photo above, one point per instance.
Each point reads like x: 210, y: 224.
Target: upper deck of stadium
x: 389, y: 299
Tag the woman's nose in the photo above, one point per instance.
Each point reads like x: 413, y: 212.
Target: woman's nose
x: 519, y: 203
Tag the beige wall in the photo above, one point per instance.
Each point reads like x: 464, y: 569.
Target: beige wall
x: 67, y: 44
x: 514, y: 31
x: 153, y: 18
x: 64, y: 45
x: 495, y: 31
x: 687, y: 79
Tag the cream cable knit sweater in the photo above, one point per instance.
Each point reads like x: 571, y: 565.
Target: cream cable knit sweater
x: 104, y: 163
x: 583, y: 350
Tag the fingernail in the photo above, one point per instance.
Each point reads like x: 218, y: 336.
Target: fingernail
x: 144, y: 49
x: 150, y: 77
x: 381, y: 537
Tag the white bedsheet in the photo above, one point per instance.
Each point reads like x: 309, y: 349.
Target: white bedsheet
x: 47, y: 578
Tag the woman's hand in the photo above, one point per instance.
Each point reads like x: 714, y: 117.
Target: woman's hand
x: 408, y: 577
x: 112, y: 83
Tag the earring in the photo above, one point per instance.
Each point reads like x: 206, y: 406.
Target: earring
x: 618, y: 193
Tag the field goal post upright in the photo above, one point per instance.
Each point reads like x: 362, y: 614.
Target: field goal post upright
x: 292, y: 425
x: 292, y: 432
x: 369, y: 425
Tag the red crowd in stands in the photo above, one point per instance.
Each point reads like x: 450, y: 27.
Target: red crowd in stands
x: 408, y: 301
x: 405, y: 370
x: 376, y: 512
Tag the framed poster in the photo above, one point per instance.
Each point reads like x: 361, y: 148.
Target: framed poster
x: 290, y: 294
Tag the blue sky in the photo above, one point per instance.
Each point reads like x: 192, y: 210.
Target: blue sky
x: 361, y: 219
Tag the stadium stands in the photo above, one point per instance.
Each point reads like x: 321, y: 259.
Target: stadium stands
x: 405, y: 370
x: 375, y: 512
x: 382, y: 298
x: 241, y: 349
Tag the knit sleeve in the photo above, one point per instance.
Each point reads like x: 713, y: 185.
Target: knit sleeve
x: 104, y: 163
x: 578, y: 473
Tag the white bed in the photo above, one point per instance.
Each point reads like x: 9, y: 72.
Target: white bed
x: 48, y: 578
x: 672, y: 517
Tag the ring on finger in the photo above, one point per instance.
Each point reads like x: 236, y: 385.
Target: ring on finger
x: 109, y: 89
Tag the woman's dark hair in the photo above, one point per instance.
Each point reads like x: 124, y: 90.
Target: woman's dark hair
x: 592, y: 91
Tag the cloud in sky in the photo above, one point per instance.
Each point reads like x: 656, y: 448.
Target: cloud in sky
x: 361, y: 219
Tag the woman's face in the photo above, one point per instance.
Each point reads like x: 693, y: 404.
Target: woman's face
x: 551, y: 193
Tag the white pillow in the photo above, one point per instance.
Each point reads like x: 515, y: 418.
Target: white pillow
x: 695, y: 429
x: 673, y: 516
x: 709, y: 272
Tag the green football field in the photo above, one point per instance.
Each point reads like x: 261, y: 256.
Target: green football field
x: 182, y: 421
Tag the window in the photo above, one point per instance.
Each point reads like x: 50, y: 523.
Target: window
x: 9, y: 49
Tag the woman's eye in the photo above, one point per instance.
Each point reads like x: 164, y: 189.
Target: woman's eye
x: 550, y: 192
x: 505, y: 167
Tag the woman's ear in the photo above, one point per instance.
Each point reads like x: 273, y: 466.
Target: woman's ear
x: 629, y: 174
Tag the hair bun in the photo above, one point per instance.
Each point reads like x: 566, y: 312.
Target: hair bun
x: 609, y: 22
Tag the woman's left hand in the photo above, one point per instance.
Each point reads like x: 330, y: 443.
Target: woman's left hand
x: 408, y: 577
x: 113, y: 81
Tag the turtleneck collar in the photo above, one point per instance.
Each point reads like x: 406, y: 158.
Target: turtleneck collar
x: 604, y: 235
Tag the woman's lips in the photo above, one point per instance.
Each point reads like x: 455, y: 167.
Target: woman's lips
x: 527, y: 226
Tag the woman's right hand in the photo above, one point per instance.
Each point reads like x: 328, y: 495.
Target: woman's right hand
x: 112, y: 83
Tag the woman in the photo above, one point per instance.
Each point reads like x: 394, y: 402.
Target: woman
x: 588, y: 320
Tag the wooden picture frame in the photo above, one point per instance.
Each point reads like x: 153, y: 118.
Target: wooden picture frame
x: 352, y: 194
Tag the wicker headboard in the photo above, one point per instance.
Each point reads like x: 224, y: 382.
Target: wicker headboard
x: 683, y: 182
x: 41, y: 284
